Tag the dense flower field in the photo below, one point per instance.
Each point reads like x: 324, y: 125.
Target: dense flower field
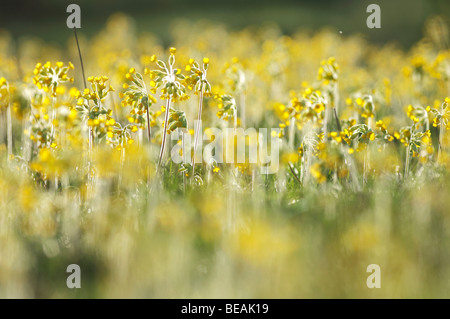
x: 87, y: 174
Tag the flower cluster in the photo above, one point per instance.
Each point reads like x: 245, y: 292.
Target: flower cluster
x: 138, y: 99
x: 91, y: 105
x: 168, y: 79
x: 50, y: 78
x: 227, y: 107
x: 196, y: 79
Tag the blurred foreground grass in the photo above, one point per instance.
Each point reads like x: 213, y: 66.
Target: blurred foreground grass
x: 214, y: 242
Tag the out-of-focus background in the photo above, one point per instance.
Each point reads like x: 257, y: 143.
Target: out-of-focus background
x: 402, y: 20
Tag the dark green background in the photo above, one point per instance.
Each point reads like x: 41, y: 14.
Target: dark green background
x: 402, y: 20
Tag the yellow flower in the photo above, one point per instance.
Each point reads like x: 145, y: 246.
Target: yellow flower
x: 60, y: 90
x: 317, y: 174
x: 172, y: 50
x: 44, y: 154
x: 74, y: 92
x: 72, y: 114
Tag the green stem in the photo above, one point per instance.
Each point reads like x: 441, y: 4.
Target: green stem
x: 243, y: 117
x: 52, y: 135
x: 183, y: 151
x: 81, y: 59
x: 293, y: 173
x: 122, y: 162
x: 149, y: 132
x: 325, y: 124
x: 408, y: 150
x: 197, y: 130
x: 291, y: 133
x: 9, y: 128
x: 441, y: 134
x: 338, y: 123
x: 166, y: 120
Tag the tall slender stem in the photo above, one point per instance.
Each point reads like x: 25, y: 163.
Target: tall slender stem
x: 183, y: 152
x: 91, y: 140
x: 81, y: 58
x: 243, y: 117
x: 365, y: 169
x: 336, y: 98
x: 291, y: 133
x: 325, y: 123
x: 3, y: 130
x: 121, y: 166
x: 197, y: 129
x: 338, y: 123
x: 149, y: 132
x: 441, y: 137
x: 90, y: 129
x: 408, y: 150
x: 90, y: 132
x: 441, y: 133
x: 52, y: 134
x: 166, y: 119
x: 9, y: 128
x: 293, y: 173
x: 25, y: 139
